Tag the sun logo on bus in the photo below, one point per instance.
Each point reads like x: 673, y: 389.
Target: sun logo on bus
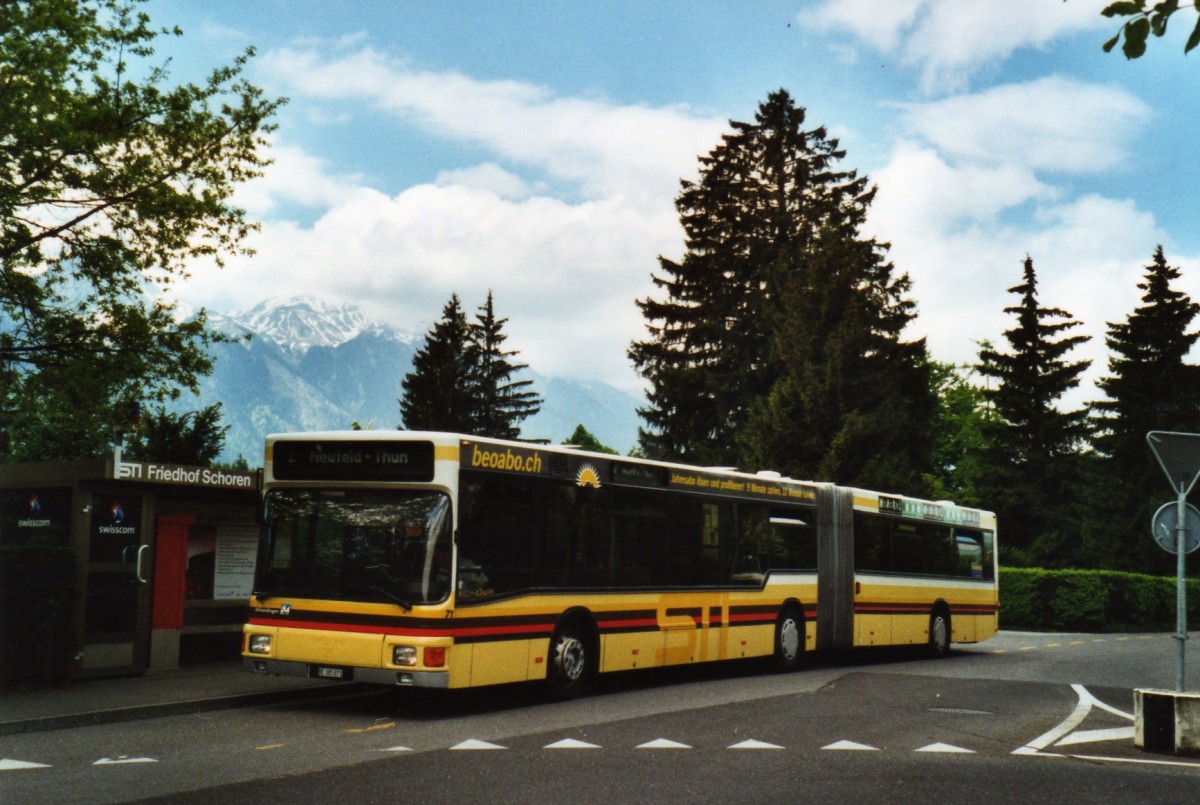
x: 588, y: 476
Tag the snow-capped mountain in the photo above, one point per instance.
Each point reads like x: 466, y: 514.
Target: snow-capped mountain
x: 299, y: 323
x: 310, y: 365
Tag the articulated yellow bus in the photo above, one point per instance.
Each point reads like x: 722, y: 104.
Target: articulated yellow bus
x: 447, y: 561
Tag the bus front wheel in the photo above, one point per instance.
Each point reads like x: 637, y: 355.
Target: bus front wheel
x: 572, y: 662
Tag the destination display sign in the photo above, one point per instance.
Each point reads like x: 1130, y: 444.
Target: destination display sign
x: 926, y: 510
x: 304, y: 460
x: 712, y: 483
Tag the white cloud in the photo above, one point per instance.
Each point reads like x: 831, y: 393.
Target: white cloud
x: 949, y: 40
x: 1049, y: 124
x: 603, y: 148
x: 565, y: 268
x: 977, y: 183
x: 296, y: 177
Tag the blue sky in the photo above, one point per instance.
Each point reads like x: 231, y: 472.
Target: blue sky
x: 535, y: 149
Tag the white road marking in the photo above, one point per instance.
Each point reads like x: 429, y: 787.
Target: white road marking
x: 7, y: 764
x: 663, y: 743
x: 571, y: 743
x: 116, y: 761
x: 752, y: 744
x: 1091, y: 736
x: 948, y: 748
x: 850, y: 746
x: 475, y: 744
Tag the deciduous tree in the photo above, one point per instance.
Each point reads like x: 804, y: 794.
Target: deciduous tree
x: 112, y: 183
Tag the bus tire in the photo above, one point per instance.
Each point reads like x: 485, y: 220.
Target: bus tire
x: 789, y: 639
x: 571, y: 666
x: 939, y: 633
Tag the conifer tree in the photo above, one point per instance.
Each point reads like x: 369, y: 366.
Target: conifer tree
x: 761, y: 197
x: 1149, y: 387
x: 853, y: 402
x: 1030, y: 465
x: 440, y: 393
x: 501, y: 401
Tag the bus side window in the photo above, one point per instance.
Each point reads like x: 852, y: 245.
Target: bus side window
x: 872, y: 537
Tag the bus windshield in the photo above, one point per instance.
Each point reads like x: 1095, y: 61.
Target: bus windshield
x: 356, y: 545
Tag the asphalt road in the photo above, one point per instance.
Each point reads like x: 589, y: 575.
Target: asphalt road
x: 1046, y: 718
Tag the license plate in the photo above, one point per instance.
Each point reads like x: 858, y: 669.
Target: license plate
x: 331, y: 673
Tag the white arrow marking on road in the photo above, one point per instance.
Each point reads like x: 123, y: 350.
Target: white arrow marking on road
x: 570, y: 743
x: 114, y: 761
x: 1062, y: 734
x: 663, y: 743
x: 752, y: 744
x: 474, y: 744
x: 850, y: 746
x: 12, y: 765
x: 1090, y: 736
x: 940, y: 747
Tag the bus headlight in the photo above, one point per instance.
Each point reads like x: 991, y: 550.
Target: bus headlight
x: 259, y: 644
x: 404, y: 655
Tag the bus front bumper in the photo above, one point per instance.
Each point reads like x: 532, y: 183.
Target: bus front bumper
x: 341, y: 673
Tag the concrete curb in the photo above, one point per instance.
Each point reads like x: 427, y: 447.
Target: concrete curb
x: 162, y: 709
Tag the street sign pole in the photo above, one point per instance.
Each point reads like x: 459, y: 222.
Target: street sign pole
x: 1180, y: 592
x: 1179, y: 456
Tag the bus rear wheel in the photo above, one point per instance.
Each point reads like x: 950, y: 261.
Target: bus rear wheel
x: 571, y: 662
x: 939, y: 633
x: 789, y: 640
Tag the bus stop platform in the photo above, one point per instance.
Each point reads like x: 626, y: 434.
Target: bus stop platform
x: 189, y: 689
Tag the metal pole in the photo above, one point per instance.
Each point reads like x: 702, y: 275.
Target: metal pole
x: 1180, y: 589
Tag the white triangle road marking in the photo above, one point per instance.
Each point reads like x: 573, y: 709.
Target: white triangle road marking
x: 752, y: 744
x: 8, y: 764
x: 949, y: 748
x: 851, y: 746
x: 663, y: 743
x: 114, y: 761
x: 570, y: 743
x: 476, y: 744
x: 396, y: 749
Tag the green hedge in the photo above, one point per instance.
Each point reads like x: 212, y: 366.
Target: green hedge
x: 1091, y: 601
x: 37, y: 605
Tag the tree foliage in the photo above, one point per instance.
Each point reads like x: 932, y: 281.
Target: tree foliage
x: 584, y: 439
x: 853, y: 402
x: 439, y: 392
x: 1030, y: 462
x: 777, y: 294
x: 1149, y: 386
x: 502, y: 401
x: 194, y: 437
x: 462, y: 378
x: 1145, y: 18
x: 112, y: 182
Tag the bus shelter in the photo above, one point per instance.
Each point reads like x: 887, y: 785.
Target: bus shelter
x: 116, y: 569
